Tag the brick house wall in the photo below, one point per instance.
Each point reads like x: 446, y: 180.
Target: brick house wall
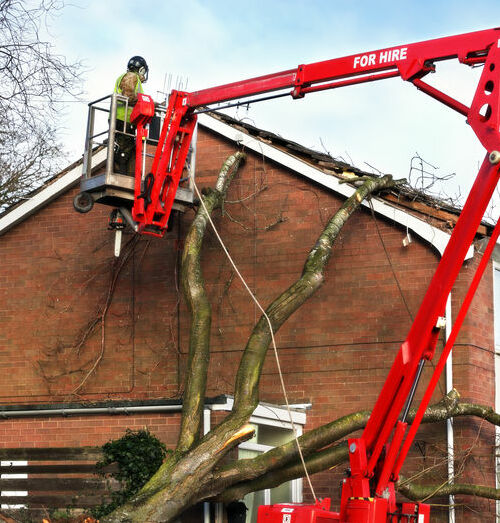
x: 58, y: 269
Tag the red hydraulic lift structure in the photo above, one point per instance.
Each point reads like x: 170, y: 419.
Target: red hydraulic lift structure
x: 376, y: 457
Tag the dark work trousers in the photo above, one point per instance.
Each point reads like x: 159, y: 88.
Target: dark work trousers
x: 124, y: 148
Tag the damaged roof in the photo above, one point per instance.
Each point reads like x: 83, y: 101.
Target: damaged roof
x: 437, y: 215
x: 442, y: 213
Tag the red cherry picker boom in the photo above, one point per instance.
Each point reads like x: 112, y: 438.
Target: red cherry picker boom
x: 376, y: 457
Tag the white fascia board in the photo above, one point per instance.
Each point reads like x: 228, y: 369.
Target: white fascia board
x: 47, y: 194
x: 436, y: 237
x: 278, y: 415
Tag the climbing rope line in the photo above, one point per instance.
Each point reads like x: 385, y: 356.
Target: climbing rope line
x: 275, y: 350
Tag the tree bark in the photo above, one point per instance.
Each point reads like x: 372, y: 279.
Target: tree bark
x: 199, y: 307
x: 246, y: 391
x: 177, y: 484
x: 323, y: 450
x: 422, y: 493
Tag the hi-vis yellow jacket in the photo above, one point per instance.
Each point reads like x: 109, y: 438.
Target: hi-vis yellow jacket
x: 129, y: 90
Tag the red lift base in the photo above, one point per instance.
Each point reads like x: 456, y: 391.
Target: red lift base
x: 359, y: 510
x: 296, y: 513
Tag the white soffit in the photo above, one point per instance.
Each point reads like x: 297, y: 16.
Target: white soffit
x: 47, y: 194
x: 436, y: 237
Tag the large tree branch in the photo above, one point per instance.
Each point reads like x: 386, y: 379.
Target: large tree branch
x: 320, y: 461
x: 282, y: 463
x: 246, y: 388
x: 249, y: 371
x: 246, y: 393
x: 190, y: 474
x: 178, y: 482
x: 199, y: 308
x: 173, y: 487
x: 418, y: 492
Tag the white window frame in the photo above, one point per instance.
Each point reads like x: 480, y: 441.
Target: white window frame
x: 274, y: 416
x: 296, y: 484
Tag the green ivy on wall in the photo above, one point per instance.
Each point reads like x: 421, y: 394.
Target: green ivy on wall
x: 138, y: 455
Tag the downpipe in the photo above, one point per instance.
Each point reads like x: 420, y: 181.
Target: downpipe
x: 450, y: 445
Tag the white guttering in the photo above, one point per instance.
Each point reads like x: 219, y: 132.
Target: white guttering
x: 449, y: 422
x: 47, y: 194
x: 436, y: 237
x: 206, y: 429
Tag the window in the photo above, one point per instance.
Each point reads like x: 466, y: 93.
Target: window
x: 272, y: 428
x: 267, y: 437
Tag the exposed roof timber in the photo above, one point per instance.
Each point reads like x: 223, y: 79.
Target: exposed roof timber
x: 436, y: 237
x: 47, y: 194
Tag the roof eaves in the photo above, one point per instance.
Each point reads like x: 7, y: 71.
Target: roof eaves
x: 48, y: 192
x: 443, y: 213
x: 391, y: 210
x: 316, y: 166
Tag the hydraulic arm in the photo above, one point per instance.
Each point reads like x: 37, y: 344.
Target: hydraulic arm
x: 377, y: 456
x: 410, y: 62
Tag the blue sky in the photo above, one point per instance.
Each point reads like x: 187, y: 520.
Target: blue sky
x: 212, y: 42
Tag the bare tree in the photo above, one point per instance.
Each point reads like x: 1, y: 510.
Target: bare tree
x: 203, y: 468
x: 34, y: 79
